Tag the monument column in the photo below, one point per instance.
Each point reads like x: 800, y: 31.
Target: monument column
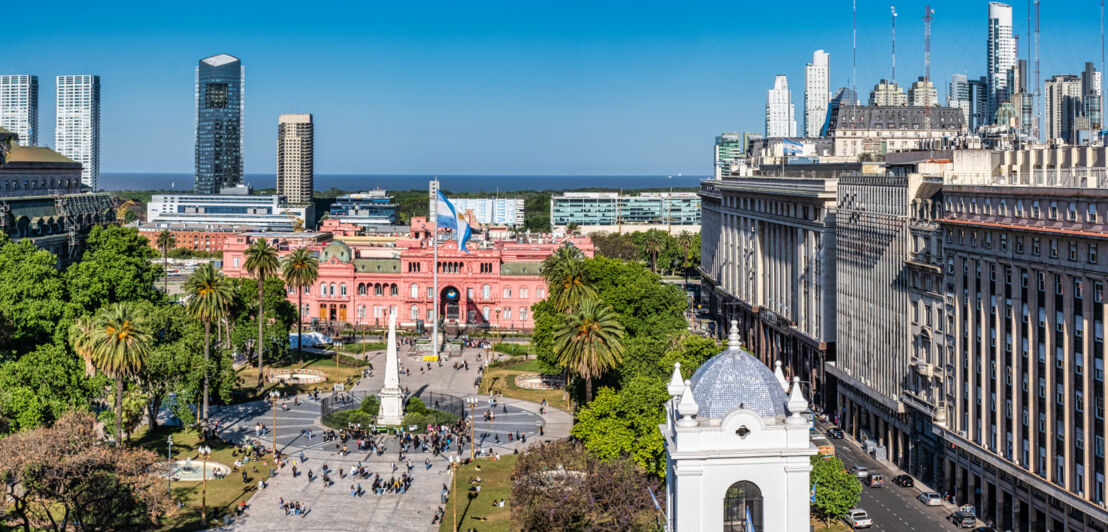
x: 392, y: 397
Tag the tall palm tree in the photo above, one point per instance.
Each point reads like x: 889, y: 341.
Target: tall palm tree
x: 300, y: 269
x: 210, y: 295
x: 80, y: 339
x: 165, y: 242
x: 590, y: 342
x: 685, y: 239
x: 567, y: 278
x: 261, y: 262
x: 121, y: 345
x: 653, y: 246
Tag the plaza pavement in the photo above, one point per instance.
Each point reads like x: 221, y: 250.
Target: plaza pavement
x: 333, y: 508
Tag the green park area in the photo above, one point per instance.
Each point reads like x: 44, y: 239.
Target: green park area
x: 480, y: 483
x: 501, y: 378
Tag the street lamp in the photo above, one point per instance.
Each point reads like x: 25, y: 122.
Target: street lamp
x: 171, y: 464
x: 472, y: 402
x: 205, y: 452
x: 274, y: 396
x: 455, y: 461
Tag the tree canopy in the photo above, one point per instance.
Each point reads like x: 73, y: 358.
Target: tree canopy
x: 837, y: 490
x: 116, y: 267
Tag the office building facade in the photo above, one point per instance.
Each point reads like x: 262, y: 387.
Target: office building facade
x: 221, y: 211
x: 374, y: 207
x: 817, y: 93
x: 873, y: 130
x: 1062, y: 102
x: 77, y: 125
x: 727, y: 153
x: 295, y: 157
x: 780, y: 116
x: 19, y: 107
x: 1001, y: 56
x: 220, y: 100
x: 611, y: 211
x: 493, y: 211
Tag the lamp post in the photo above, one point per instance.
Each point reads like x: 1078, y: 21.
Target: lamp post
x: 274, y: 396
x: 454, y: 462
x: 205, y: 452
x: 171, y: 464
x: 472, y: 402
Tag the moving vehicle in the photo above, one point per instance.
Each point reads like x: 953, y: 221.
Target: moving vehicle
x: 858, y: 518
x: 861, y: 471
x: 930, y: 498
x: 835, y: 433
x: 875, y: 480
x: 904, y: 481
x: 962, y: 519
x: 823, y: 445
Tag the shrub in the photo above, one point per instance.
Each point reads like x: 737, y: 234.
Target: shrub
x: 416, y: 406
x: 431, y: 417
x: 514, y: 350
x: 371, y: 405
x: 340, y: 419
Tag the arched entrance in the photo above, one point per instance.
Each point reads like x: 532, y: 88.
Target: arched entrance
x: 742, y: 499
x: 450, y: 298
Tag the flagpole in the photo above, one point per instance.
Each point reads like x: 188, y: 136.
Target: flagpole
x: 433, y: 215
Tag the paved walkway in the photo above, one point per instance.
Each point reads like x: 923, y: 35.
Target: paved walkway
x: 333, y: 508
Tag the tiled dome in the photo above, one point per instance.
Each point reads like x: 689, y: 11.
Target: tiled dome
x: 735, y: 379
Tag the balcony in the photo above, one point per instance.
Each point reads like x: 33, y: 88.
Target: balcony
x: 925, y: 369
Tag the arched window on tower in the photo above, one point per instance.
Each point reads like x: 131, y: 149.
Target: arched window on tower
x: 742, y: 498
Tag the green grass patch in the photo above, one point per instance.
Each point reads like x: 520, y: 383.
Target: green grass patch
x: 514, y: 350
x: 363, y: 347
x: 500, y: 376
x: 475, y: 509
x: 347, y: 370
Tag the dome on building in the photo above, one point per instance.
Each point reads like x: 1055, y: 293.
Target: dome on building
x: 735, y: 379
x: 337, y: 249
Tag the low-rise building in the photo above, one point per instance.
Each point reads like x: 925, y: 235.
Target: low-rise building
x: 614, y: 212
x: 235, y: 211
x: 374, y: 207
x: 872, y: 131
x: 492, y: 211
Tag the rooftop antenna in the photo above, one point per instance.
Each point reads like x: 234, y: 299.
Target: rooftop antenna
x: 927, y: 18
x: 892, y: 9
x: 854, y: 61
x: 1101, y: 84
x: 1038, y: 84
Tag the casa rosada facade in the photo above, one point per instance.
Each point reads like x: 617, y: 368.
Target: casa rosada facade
x: 360, y: 282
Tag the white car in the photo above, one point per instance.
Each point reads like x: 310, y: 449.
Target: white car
x: 930, y: 498
x: 858, y: 518
x: 861, y: 471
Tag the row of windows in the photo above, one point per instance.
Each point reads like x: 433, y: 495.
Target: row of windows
x: 1054, y: 210
x: 393, y: 290
x: 1073, y: 250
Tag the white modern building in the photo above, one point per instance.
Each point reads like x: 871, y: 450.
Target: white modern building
x: 780, y: 117
x: 492, y: 211
x: 737, y: 447
x: 19, y: 107
x: 295, y: 157
x: 817, y: 93
x: 220, y: 211
x: 77, y: 130
x: 1001, y: 55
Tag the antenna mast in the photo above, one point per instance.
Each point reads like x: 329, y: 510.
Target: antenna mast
x: 854, y: 63
x: 893, y: 10
x: 927, y: 18
x: 1038, y: 83
x: 1100, y: 126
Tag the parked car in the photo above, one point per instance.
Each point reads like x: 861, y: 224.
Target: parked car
x: 858, y: 518
x: 930, y: 498
x: 835, y: 433
x: 962, y: 519
x: 904, y: 481
x: 875, y: 480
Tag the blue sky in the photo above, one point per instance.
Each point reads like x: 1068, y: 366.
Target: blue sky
x: 487, y: 87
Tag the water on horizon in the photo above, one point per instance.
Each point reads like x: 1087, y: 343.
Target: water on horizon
x: 455, y: 183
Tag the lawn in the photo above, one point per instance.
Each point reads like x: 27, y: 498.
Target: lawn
x: 475, y: 509
x: 223, y: 494
x: 346, y: 372
x: 362, y: 346
x: 502, y: 378
x: 836, y: 526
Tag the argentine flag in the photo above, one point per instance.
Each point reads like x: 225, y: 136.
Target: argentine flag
x: 749, y: 521
x: 447, y: 217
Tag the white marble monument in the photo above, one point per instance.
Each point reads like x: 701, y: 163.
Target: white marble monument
x: 392, y: 397
x: 737, y: 447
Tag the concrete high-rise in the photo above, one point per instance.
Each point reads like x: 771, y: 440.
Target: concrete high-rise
x: 1001, y: 55
x: 19, y: 107
x: 780, y: 117
x: 922, y: 93
x: 295, y: 159
x: 77, y: 128
x: 887, y: 94
x: 220, y: 81
x: 1062, y: 99
x: 817, y: 93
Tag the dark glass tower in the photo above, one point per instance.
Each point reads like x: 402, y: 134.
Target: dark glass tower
x: 219, y: 121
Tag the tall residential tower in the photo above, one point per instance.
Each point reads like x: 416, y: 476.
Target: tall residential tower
x: 817, y: 93
x: 295, y: 160
x: 780, y: 117
x: 19, y: 107
x: 219, y: 123
x: 1001, y: 54
x: 77, y: 129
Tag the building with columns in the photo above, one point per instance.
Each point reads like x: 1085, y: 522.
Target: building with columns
x: 361, y: 281
x: 737, y: 447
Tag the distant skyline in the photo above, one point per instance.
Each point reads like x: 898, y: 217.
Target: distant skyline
x: 494, y: 88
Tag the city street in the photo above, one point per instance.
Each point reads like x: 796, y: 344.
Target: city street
x: 893, y: 508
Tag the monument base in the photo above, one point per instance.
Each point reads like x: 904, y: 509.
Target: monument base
x: 392, y: 408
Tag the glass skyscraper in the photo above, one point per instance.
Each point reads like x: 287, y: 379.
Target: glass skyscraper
x: 219, y: 123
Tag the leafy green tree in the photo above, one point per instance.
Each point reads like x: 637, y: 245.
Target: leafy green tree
x: 837, y: 490
x: 121, y: 345
x: 590, y: 342
x: 32, y: 296
x: 42, y: 385
x: 278, y: 318
x: 165, y: 242
x: 175, y: 355
x: 625, y: 423
x: 645, y: 305
x: 210, y: 294
x: 116, y: 267
x: 261, y: 262
x: 300, y: 269
x: 547, y: 320
x: 615, y: 246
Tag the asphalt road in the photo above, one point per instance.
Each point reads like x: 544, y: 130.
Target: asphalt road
x: 893, y: 508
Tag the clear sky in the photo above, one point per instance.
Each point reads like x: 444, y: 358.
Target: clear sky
x: 466, y: 87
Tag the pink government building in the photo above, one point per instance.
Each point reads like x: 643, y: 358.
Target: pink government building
x: 361, y: 278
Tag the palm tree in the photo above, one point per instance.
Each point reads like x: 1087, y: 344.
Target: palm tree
x: 80, y: 339
x: 567, y: 278
x: 121, y: 344
x: 261, y: 262
x: 300, y: 269
x: 685, y: 239
x: 210, y: 296
x: 653, y: 246
x: 165, y: 242
x: 590, y: 342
